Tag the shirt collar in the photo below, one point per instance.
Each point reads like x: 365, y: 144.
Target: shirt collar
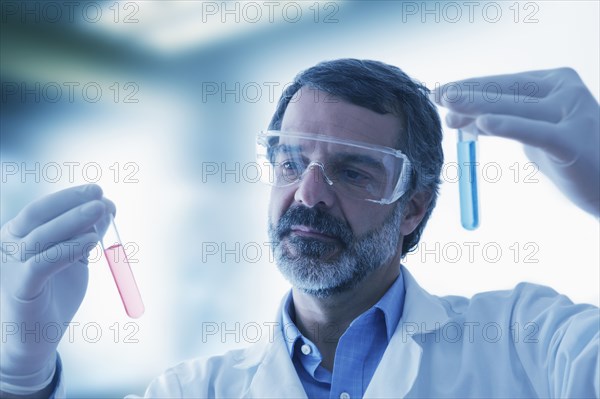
x: 391, y: 304
x: 289, y: 329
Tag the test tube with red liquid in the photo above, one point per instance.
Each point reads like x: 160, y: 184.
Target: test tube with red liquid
x: 121, y: 271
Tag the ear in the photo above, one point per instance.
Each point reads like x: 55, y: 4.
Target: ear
x: 414, y: 211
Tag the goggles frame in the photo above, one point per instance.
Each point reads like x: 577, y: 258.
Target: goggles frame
x: 264, y: 137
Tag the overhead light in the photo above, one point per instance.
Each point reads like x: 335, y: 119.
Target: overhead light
x: 174, y: 26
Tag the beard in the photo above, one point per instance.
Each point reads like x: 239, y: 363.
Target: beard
x: 323, y: 268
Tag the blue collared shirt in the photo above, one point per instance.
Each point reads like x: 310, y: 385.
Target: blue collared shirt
x: 358, y: 352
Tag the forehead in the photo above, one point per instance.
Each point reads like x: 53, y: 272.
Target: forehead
x: 314, y: 111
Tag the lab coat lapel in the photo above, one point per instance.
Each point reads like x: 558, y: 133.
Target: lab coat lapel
x: 275, y: 375
x: 399, y: 366
x: 397, y: 370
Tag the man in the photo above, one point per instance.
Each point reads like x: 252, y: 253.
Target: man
x: 354, y: 155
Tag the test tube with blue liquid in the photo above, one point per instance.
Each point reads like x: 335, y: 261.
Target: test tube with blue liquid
x: 467, y: 181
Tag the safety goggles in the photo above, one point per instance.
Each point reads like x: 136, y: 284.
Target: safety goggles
x: 353, y: 169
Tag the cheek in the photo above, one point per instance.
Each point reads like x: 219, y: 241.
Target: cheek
x: 364, y: 216
x: 279, y: 202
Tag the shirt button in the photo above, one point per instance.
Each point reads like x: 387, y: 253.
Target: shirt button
x: 344, y: 395
x: 305, y: 349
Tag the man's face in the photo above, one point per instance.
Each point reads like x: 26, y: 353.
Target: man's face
x: 324, y: 242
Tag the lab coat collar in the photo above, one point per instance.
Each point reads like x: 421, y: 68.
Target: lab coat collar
x: 276, y: 376
x: 399, y: 366
x: 423, y: 312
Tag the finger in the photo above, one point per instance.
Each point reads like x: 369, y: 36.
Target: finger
x: 63, y: 227
x: 538, y: 134
x: 100, y: 225
x: 538, y: 83
x: 110, y: 206
x: 456, y: 121
x: 49, y: 207
x: 40, y: 268
x: 478, y: 103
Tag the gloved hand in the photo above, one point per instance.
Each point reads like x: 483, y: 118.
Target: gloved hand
x: 551, y: 112
x: 43, y: 279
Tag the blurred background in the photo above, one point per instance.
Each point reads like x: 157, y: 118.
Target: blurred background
x: 159, y: 103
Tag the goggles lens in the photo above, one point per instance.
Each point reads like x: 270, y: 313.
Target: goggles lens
x: 353, y: 169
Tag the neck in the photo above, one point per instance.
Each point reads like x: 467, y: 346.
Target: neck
x: 324, y: 320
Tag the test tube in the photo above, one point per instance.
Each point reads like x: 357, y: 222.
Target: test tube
x: 467, y: 181
x: 121, y: 271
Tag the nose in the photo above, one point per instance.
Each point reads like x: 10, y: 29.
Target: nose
x: 316, y: 165
x: 315, y: 188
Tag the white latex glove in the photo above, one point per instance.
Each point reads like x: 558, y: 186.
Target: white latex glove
x: 43, y: 279
x: 551, y: 112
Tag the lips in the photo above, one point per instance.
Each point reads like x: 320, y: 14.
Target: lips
x: 305, y: 225
x: 305, y: 231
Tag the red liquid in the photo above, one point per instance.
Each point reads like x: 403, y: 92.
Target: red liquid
x: 121, y: 271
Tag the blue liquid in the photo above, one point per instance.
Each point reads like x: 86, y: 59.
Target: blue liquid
x: 467, y: 184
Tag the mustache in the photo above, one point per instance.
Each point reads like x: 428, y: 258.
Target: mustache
x: 315, y: 219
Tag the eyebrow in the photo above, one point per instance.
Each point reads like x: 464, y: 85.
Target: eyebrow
x: 282, y: 148
x: 344, y: 157
x: 287, y: 148
x: 359, y: 158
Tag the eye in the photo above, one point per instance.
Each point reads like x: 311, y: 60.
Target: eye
x: 290, y: 166
x: 354, y: 176
x: 288, y: 171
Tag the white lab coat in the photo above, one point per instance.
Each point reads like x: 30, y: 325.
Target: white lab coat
x: 527, y: 342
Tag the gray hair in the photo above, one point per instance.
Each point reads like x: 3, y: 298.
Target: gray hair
x: 384, y: 89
